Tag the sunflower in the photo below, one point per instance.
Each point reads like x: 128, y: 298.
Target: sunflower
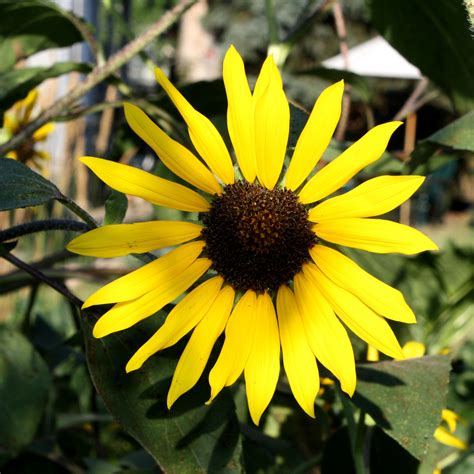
x: 15, y: 120
x: 270, y: 279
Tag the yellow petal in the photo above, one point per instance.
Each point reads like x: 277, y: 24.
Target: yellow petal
x: 412, y: 349
x: 196, y: 354
x: 174, y: 155
x: 125, y: 315
x: 298, y: 359
x: 42, y: 155
x: 263, y: 79
x: 123, y: 239
x: 203, y: 134
x: 443, y: 436
x: 451, y: 418
x: 159, y: 191
x: 28, y: 104
x: 10, y: 123
x: 238, y: 340
x: 43, y: 132
x: 379, y: 296
x: 374, y: 235
x: 372, y: 198
x: 181, y: 319
x: 337, y: 173
x: 240, y: 120
x: 316, y: 135
x: 326, y: 335
x: 263, y: 364
x: 148, y: 277
x: 359, y: 318
x: 272, y: 126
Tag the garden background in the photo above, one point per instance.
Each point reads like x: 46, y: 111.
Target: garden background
x: 66, y: 402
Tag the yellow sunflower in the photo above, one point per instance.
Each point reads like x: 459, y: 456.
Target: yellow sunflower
x: 270, y: 280
x: 16, y: 119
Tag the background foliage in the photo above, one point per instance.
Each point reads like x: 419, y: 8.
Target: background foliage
x: 67, y: 404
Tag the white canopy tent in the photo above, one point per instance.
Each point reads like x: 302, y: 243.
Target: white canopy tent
x: 375, y: 58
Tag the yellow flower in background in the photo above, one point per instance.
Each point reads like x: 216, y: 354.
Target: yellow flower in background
x: 445, y: 434
x: 270, y: 279
x: 16, y: 119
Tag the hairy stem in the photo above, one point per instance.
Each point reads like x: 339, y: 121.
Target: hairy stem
x: 76, y: 209
x: 41, y: 226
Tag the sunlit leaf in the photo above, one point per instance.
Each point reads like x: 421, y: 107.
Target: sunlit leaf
x: 405, y: 398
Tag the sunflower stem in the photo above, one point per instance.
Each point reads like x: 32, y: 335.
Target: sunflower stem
x: 356, y: 432
x: 359, y: 444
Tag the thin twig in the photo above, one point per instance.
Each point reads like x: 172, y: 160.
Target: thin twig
x: 98, y: 74
x: 344, y: 48
x: 409, y: 106
x: 40, y: 276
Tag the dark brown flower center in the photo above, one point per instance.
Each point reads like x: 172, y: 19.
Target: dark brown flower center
x: 256, y: 238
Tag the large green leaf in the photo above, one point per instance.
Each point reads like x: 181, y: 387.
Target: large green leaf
x: 405, y: 398
x: 24, y: 386
x: 435, y: 37
x: 35, y: 25
x: 22, y: 187
x: 189, y: 438
x: 15, y: 84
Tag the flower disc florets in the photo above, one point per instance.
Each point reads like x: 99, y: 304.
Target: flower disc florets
x: 257, y: 238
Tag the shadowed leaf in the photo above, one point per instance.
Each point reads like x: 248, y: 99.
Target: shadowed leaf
x: 24, y: 386
x: 435, y: 37
x: 405, y: 398
x: 22, y: 187
x: 189, y: 438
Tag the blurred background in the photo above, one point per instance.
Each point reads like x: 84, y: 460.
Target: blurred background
x: 390, y: 73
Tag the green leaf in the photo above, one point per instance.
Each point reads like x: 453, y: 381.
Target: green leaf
x: 458, y: 135
x: 15, y: 84
x: 405, y: 398
x: 22, y: 187
x: 24, y: 386
x: 115, y: 208
x: 35, y: 25
x: 435, y: 37
x: 189, y: 438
